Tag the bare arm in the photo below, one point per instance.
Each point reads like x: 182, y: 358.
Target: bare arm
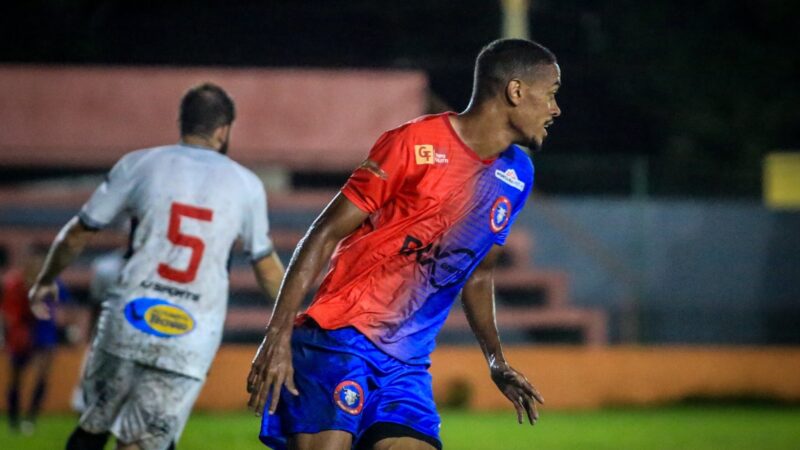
x: 269, y: 274
x: 478, y: 299
x: 272, y: 365
x: 68, y: 244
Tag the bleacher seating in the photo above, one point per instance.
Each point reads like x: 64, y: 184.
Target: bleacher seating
x: 529, y: 298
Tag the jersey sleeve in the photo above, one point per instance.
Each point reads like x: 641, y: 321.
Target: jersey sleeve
x: 111, y: 197
x: 381, y: 175
x: 255, y: 227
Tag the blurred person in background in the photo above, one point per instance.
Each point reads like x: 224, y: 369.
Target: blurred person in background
x: 418, y: 222
x: 29, y: 340
x: 163, y: 318
x: 106, y: 270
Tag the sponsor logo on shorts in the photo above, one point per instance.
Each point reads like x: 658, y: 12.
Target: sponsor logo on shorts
x: 500, y: 213
x: 510, y: 178
x: 159, y: 317
x: 349, y: 397
x: 426, y: 154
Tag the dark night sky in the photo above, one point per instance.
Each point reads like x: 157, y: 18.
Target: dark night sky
x: 711, y: 84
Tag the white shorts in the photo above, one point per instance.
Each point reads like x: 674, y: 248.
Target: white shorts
x: 137, y: 403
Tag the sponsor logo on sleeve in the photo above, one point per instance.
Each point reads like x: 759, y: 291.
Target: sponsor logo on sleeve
x: 159, y: 317
x: 349, y: 397
x: 426, y: 154
x: 373, y: 168
x: 510, y: 178
x: 500, y: 213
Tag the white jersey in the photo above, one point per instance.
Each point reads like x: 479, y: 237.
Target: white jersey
x: 188, y: 205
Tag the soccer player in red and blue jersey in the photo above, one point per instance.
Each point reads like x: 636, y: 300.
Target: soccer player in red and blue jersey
x: 417, y: 223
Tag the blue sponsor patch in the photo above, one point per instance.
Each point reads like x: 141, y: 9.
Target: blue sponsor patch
x: 159, y: 317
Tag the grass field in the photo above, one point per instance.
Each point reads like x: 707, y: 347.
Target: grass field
x: 679, y: 427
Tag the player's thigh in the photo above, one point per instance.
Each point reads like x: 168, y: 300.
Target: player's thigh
x: 157, y: 409
x: 106, y: 383
x: 324, y: 440
x: 42, y: 361
x: 402, y: 443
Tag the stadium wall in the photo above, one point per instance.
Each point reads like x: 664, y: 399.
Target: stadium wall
x: 705, y: 272
x: 89, y: 116
x: 567, y: 377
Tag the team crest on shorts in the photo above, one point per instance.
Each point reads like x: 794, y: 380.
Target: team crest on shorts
x: 349, y: 397
x: 500, y: 213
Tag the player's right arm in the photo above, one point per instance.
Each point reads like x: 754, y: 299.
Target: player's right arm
x: 106, y: 203
x: 68, y: 244
x: 371, y: 185
x: 272, y: 367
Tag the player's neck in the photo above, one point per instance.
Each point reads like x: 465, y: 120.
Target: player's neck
x: 483, y: 129
x: 199, y: 141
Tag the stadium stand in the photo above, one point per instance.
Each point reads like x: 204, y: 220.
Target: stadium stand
x: 84, y: 129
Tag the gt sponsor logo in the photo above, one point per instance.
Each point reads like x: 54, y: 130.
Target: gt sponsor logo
x: 510, y: 178
x: 158, y: 317
x: 426, y: 154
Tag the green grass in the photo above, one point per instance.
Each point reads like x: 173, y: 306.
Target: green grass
x: 679, y: 427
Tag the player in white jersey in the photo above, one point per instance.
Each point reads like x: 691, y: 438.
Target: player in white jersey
x: 162, y: 321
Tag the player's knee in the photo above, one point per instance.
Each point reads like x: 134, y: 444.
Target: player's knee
x: 83, y: 440
x: 124, y: 446
x: 392, y: 436
x: 324, y: 440
x: 402, y: 443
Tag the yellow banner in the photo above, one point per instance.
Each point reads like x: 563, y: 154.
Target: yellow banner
x: 782, y: 180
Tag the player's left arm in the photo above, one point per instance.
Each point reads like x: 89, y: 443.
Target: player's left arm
x: 269, y: 272
x: 478, y: 299
x: 68, y: 244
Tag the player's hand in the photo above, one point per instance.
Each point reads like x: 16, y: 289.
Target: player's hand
x: 39, y: 295
x: 271, y: 370
x: 518, y: 390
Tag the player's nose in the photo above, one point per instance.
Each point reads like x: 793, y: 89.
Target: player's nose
x: 555, y: 110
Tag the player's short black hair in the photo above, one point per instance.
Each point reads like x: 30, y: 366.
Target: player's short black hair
x: 504, y: 59
x: 204, y: 108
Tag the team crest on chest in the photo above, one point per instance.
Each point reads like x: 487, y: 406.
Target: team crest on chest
x: 349, y: 397
x: 499, y: 214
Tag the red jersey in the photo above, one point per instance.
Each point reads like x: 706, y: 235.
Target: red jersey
x: 17, y: 314
x: 435, y: 210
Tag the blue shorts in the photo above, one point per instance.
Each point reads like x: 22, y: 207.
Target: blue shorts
x: 348, y: 384
x: 45, y: 334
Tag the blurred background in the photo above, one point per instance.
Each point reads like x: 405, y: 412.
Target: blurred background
x: 658, y: 259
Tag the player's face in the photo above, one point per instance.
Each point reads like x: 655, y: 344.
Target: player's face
x: 538, y: 108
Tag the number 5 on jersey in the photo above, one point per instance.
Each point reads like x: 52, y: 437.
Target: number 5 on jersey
x: 178, y: 211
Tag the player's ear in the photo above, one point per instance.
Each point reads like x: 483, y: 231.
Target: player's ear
x: 221, y: 133
x: 514, y: 92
